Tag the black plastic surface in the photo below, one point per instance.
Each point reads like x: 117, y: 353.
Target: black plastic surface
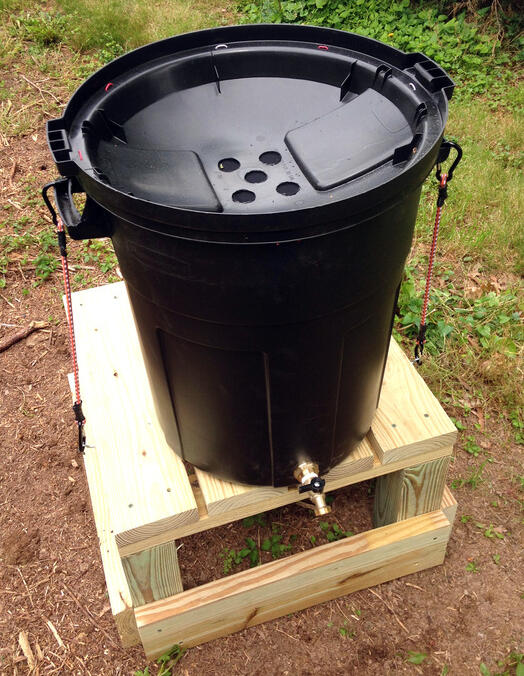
x: 168, y: 176
x: 260, y: 184
x: 350, y: 140
x: 91, y: 223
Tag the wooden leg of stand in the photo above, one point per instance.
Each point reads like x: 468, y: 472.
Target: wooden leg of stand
x: 153, y: 574
x: 409, y: 492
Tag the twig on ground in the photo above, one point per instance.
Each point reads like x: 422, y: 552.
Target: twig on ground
x: 40, y: 89
x: 28, y: 105
x: 13, y: 171
x: 55, y: 633
x: 23, y: 642
x: 90, y: 617
x: 415, y: 586
x: 286, y: 634
x: 7, y: 301
x: 371, y: 591
x: 20, y: 335
x: 340, y: 608
x: 26, y: 587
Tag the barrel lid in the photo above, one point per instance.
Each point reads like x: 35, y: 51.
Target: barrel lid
x: 254, y: 120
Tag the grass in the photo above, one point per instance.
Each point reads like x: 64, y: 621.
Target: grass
x: 487, y: 192
x: 131, y: 24
x: 109, y: 27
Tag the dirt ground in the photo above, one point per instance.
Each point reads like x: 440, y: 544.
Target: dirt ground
x: 52, y: 590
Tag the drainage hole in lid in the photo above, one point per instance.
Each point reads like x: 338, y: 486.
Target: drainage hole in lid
x: 256, y: 176
x: 270, y: 157
x: 228, y: 164
x: 243, y: 196
x: 288, y: 188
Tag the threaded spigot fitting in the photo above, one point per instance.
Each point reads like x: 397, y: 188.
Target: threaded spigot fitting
x: 307, y: 474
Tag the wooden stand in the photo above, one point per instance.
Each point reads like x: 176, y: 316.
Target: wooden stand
x: 144, y: 500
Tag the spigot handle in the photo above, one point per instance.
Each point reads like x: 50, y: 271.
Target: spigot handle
x: 315, y: 486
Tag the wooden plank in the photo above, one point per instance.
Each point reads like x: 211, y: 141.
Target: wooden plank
x: 275, y: 589
x: 449, y: 505
x: 131, y: 546
x: 223, y: 496
x: 409, y: 492
x: 117, y: 587
x: 145, y: 482
x: 409, y: 420
x: 153, y: 574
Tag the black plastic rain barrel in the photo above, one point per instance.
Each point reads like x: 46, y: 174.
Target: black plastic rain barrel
x: 260, y: 185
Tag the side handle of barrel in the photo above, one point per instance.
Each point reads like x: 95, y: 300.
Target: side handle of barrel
x: 91, y: 223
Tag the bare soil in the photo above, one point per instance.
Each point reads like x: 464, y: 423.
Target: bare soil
x: 51, y: 581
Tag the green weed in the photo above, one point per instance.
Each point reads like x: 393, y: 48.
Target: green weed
x: 166, y: 662
x: 100, y: 252
x: 233, y: 557
x: 169, y: 660
x: 415, y: 657
x: 346, y: 633
x: 333, y: 531
x: 275, y: 545
x: 45, y: 265
x: 518, y: 425
x: 492, y: 321
x: 256, y: 520
x: 458, y: 424
x: 491, y: 531
x: 474, y: 479
x: 472, y: 567
x: 471, y: 447
x: 513, y: 665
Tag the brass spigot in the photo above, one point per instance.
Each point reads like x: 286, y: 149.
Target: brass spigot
x: 307, y: 474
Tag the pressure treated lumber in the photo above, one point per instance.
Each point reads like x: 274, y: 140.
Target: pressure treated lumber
x: 449, y: 505
x: 409, y: 419
x: 153, y: 574
x: 222, y: 496
x: 409, y: 492
x: 206, y: 521
x: 275, y: 589
x: 117, y: 587
x: 145, y: 481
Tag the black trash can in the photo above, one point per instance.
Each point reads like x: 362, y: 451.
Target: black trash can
x: 260, y: 185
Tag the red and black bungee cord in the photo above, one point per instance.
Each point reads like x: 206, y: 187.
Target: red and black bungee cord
x: 443, y: 180
x: 60, y: 231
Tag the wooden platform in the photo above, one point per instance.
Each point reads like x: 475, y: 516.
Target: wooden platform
x: 144, y: 500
